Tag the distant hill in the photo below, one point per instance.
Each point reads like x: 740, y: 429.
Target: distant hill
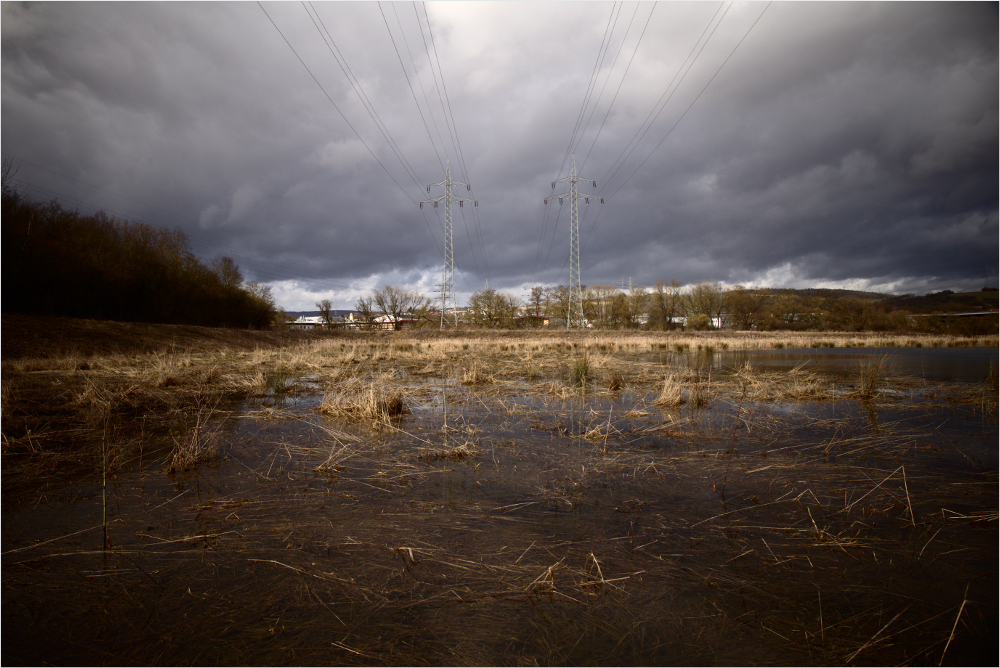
x: 829, y: 293
x: 947, y: 301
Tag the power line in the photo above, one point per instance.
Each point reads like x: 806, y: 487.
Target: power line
x: 576, y: 126
x: 448, y: 279
x: 574, y: 315
x: 668, y: 93
x: 334, y: 104
x: 452, y: 133
x: 453, y: 128
x: 369, y: 106
x: 697, y: 97
x: 410, y: 85
x: 331, y: 45
x: 620, y: 83
x: 578, y: 129
x: 608, y: 78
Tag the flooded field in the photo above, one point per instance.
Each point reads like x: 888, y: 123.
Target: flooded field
x: 515, y: 503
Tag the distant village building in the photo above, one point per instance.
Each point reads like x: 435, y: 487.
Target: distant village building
x: 306, y: 322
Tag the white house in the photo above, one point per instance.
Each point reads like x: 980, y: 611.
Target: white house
x: 306, y: 322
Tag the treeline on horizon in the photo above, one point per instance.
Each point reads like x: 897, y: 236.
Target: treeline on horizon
x: 701, y: 306
x: 64, y: 263
x: 709, y: 305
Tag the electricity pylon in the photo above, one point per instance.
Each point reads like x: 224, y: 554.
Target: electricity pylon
x: 574, y: 314
x: 448, y: 280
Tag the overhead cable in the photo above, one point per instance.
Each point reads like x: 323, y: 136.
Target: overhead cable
x: 334, y: 104
x: 697, y: 97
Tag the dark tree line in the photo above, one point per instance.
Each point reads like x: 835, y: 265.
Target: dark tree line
x: 59, y: 262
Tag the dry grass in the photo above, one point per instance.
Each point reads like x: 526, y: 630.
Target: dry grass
x: 671, y: 393
x: 579, y: 371
x: 475, y: 374
x: 989, y: 392
x: 872, y: 372
x: 797, y: 384
x: 615, y: 380
x: 78, y: 391
x: 197, y: 443
x: 595, y: 554
x: 370, y: 402
x: 466, y: 450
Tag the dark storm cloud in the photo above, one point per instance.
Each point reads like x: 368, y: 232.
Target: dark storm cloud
x: 841, y: 144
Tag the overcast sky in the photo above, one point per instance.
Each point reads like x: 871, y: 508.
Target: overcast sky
x: 782, y: 145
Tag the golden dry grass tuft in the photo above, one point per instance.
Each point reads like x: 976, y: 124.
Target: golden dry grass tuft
x: 475, y: 374
x: 872, y: 372
x: 459, y: 453
x: 671, y: 393
x: 370, y: 402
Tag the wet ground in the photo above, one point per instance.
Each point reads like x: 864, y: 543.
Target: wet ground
x: 502, y: 527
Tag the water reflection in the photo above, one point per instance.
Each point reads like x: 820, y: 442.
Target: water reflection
x: 616, y: 543
x: 964, y: 365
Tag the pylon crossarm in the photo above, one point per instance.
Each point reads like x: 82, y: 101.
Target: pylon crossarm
x: 446, y: 183
x: 444, y: 199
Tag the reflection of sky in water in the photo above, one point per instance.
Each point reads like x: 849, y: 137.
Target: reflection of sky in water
x: 966, y: 365
x: 531, y: 494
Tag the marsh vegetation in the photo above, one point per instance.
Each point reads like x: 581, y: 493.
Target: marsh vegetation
x: 494, y: 498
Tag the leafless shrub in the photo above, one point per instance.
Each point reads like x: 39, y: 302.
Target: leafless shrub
x: 252, y: 382
x: 212, y: 375
x: 989, y: 391
x: 6, y: 394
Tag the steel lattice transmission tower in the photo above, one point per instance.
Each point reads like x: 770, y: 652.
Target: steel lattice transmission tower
x: 574, y: 314
x: 448, y: 279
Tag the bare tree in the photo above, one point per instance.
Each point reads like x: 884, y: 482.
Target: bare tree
x: 599, y: 300
x: 366, y: 311
x: 261, y: 292
x: 425, y: 314
x: 666, y: 302
x: 493, y: 309
x: 8, y: 171
x: 228, y: 272
x: 785, y: 311
x: 325, y: 312
x: 637, y: 301
x: 536, y: 303
x: 745, y: 307
x: 281, y: 319
x: 851, y: 314
x: 707, y: 299
x: 557, y: 301
x: 395, y: 302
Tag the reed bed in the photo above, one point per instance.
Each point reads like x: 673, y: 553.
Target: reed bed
x: 516, y: 519
x: 270, y: 574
